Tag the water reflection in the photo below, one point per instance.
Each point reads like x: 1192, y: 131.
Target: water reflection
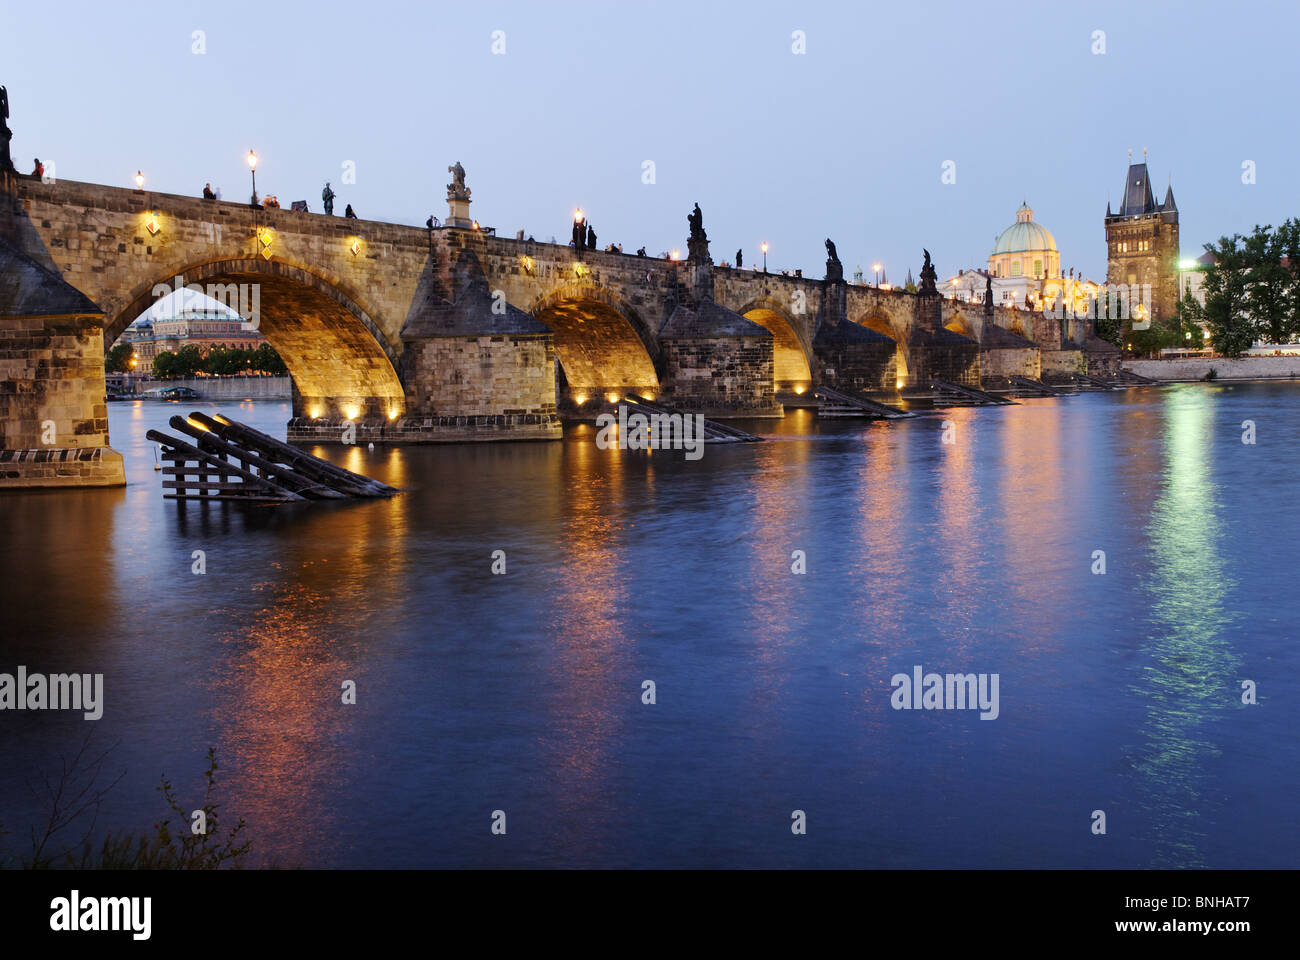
x: 1188, y: 685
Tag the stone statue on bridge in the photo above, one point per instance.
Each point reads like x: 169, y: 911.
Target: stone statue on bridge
x: 696, y: 220
x: 6, y: 163
x: 456, y: 190
x: 697, y: 244
x: 327, y: 196
x: 834, y: 269
x: 928, y: 277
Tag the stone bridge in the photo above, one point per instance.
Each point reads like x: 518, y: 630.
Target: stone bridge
x: 450, y: 333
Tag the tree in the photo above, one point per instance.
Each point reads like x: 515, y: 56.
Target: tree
x: 118, y: 359
x: 189, y: 361
x: 1225, y: 298
x: 266, y: 360
x: 164, y: 365
x: 1190, y: 315
x: 1288, y: 234
x: 1267, y: 285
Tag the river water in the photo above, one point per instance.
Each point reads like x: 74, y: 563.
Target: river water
x: 523, y: 693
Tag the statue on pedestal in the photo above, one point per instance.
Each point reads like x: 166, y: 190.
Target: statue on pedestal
x: 456, y: 190
x: 697, y: 244
x: 928, y: 277
x: 6, y: 163
x: 834, y: 269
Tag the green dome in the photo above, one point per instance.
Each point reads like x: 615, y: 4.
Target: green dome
x: 1024, y: 235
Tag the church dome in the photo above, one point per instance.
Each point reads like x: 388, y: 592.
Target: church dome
x: 1024, y: 235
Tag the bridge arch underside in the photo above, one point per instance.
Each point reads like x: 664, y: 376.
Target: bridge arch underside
x: 339, y: 368
x: 599, y: 351
x: 958, y: 324
x: 883, y: 325
x: 790, y: 368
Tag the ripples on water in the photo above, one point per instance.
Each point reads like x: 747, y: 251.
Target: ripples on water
x: 523, y: 692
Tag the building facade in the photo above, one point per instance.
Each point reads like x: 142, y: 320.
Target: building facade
x: 205, y: 329
x: 1025, y: 268
x: 1142, y: 247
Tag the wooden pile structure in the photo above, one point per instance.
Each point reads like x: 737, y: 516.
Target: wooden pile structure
x: 853, y: 403
x: 232, y: 461
x: 946, y: 394
x: 714, y: 432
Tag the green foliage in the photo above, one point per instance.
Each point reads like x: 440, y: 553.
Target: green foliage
x: 1267, y: 287
x: 219, y: 361
x: 118, y: 359
x: 1231, y: 329
x: 164, y: 365
x: 189, y: 360
x: 1250, y: 294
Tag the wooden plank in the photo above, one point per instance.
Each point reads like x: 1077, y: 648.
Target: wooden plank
x: 277, y: 450
x: 284, y: 476
x: 205, y: 457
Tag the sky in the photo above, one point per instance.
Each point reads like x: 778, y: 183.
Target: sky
x: 847, y: 140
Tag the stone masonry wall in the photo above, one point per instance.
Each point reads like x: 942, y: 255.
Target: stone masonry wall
x: 477, y: 376
x: 53, y: 415
x: 724, y: 377
x: 1006, y: 362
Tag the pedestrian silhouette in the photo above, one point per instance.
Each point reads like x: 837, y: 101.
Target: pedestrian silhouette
x: 39, y: 169
x: 207, y: 192
x: 348, y: 213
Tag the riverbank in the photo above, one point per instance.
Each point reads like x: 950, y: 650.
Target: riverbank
x: 226, y: 388
x: 1198, y: 368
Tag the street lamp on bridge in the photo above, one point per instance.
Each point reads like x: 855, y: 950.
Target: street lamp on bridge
x: 139, y: 180
x: 764, y: 248
x: 252, y: 168
x: 876, y: 268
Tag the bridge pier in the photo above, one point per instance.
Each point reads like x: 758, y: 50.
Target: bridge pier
x: 53, y: 410
x: 714, y: 361
x: 935, y: 351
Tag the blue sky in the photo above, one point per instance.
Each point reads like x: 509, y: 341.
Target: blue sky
x: 847, y: 140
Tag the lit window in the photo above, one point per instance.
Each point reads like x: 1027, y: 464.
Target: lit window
x: 1015, y: 268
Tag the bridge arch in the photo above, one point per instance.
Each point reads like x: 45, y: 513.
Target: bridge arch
x: 791, y: 368
x: 883, y: 323
x: 602, y: 345
x: 958, y: 323
x: 342, y: 364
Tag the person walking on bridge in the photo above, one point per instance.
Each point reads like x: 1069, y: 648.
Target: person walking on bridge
x: 39, y: 169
